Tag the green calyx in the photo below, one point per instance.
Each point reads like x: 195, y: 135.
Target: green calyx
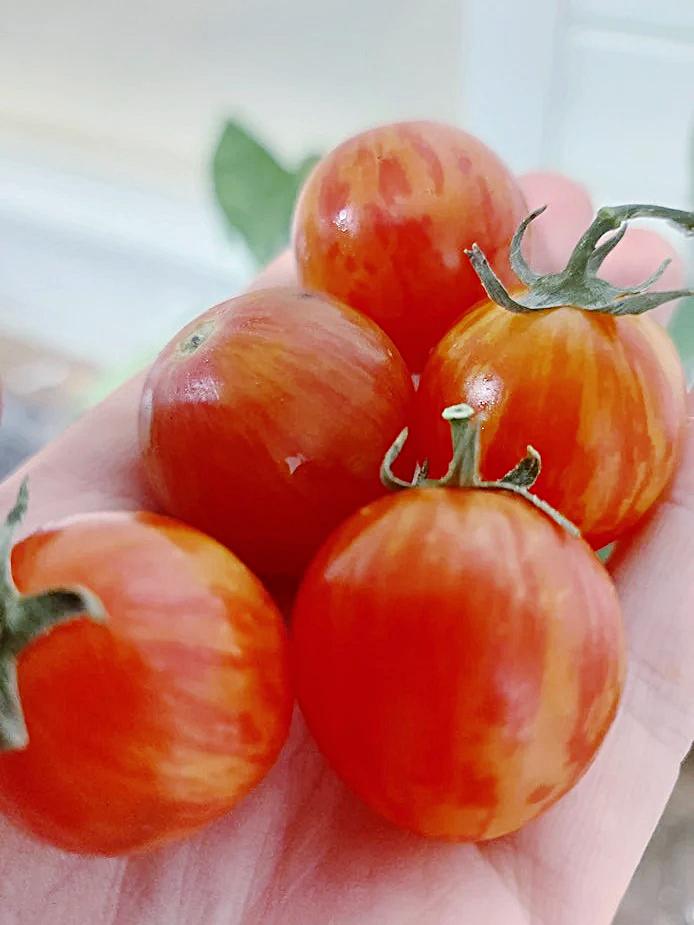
x: 464, y: 468
x: 23, y: 618
x: 578, y: 283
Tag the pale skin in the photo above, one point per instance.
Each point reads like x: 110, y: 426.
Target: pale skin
x: 301, y: 850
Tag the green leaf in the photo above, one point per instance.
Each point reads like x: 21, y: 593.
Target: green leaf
x: 606, y: 551
x: 255, y: 192
x: 304, y: 169
x: 682, y: 331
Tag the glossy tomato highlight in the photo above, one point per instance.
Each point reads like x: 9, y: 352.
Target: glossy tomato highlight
x: 601, y: 398
x: 573, y: 366
x: 459, y: 658
x: 145, y: 727
x: 384, y: 220
x: 265, y: 420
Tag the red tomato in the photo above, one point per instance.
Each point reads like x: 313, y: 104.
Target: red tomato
x: 145, y: 727
x: 384, y: 220
x: 264, y: 422
x: 459, y: 658
x: 602, y: 399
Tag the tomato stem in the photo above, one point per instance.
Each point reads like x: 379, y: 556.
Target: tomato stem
x: 578, y: 283
x: 23, y: 618
x: 464, y: 468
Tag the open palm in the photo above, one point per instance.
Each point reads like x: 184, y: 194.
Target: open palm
x: 301, y: 850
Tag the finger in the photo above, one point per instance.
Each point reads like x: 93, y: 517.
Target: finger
x: 640, y: 253
x: 598, y: 832
x: 654, y: 576
x: 93, y: 465
x: 569, y: 212
x: 281, y: 272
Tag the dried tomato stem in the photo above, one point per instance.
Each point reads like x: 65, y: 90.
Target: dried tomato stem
x: 578, y: 283
x: 464, y: 468
x: 24, y: 617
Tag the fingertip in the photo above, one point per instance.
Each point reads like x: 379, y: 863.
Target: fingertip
x: 570, y: 211
x: 279, y: 272
x: 637, y: 255
x: 542, y: 187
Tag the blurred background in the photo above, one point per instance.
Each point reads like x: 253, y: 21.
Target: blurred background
x: 150, y: 154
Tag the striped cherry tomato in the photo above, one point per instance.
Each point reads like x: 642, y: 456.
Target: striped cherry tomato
x: 141, y: 728
x: 573, y: 367
x: 458, y: 658
x: 383, y: 222
x: 601, y: 398
x: 264, y: 422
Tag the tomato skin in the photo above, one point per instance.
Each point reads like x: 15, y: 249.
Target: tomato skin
x: 601, y: 398
x: 383, y: 222
x: 273, y: 431
x: 458, y: 658
x: 148, y: 726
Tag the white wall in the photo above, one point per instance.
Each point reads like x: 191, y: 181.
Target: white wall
x: 108, y: 114
x: 143, y: 85
x: 109, y: 110
x: 600, y: 89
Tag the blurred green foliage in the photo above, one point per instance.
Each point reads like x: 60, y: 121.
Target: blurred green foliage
x: 255, y: 192
x: 682, y: 325
x: 682, y: 331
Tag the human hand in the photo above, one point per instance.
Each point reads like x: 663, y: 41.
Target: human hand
x: 301, y: 850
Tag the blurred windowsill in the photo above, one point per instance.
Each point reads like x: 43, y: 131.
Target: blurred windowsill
x: 101, y: 270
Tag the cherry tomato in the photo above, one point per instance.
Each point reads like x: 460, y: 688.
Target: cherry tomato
x: 143, y: 728
x: 264, y: 422
x: 458, y: 658
x: 383, y: 222
x: 602, y: 399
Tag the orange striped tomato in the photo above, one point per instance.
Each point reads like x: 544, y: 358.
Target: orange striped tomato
x: 459, y: 658
x: 384, y: 220
x: 601, y: 397
x: 142, y: 728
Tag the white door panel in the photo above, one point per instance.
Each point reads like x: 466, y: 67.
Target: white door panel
x: 625, y: 119
x: 661, y: 15
x: 602, y: 91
